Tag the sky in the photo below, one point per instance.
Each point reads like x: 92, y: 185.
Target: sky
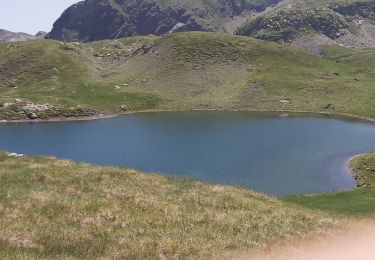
x: 31, y: 16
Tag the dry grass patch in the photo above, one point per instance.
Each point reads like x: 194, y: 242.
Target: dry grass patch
x: 83, y: 211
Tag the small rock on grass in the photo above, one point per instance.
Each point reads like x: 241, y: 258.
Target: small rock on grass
x: 124, y: 107
x: 284, y: 101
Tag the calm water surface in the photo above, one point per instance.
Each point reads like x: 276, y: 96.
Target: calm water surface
x: 267, y: 153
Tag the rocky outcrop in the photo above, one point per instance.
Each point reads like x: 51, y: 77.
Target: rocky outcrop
x: 347, y: 24
x: 25, y: 110
x: 286, y: 24
x: 92, y: 20
x: 41, y: 35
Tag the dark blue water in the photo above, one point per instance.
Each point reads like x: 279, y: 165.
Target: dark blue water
x: 278, y: 156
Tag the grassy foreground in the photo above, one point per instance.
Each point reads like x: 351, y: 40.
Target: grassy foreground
x: 59, y: 209
x: 184, y: 71
x: 358, y: 202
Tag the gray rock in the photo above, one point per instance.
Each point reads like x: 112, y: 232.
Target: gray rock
x: 32, y: 115
x: 329, y: 106
x: 124, y: 107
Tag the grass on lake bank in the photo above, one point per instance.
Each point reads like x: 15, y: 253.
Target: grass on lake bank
x: 358, y: 202
x: 59, y: 209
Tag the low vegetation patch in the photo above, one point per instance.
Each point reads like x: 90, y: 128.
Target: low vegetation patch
x: 59, y: 209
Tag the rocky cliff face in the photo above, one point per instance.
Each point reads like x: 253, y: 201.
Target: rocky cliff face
x: 108, y: 19
x: 364, y: 9
x: 351, y: 24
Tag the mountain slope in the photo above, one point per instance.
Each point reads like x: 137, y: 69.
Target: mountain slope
x: 119, y: 18
x: 194, y: 70
x: 347, y: 22
x: 7, y: 36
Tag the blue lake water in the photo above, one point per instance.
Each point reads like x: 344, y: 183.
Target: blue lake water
x: 263, y: 152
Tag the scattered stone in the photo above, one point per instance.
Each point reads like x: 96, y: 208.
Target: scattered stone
x: 18, y: 100
x: 124, y: 107
x: 362, y: 185
x: 117, y: 87
x: 356, y: 79
x: 32, y: 115
x: 37, y: 107
x: 125, y: 84
x: 6, y: 105
x: 284, y: 101
x: 329, y: 106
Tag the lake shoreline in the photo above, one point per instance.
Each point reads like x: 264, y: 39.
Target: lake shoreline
x: 350, y: 169
x: 284, y: 113
x: 130, y: 129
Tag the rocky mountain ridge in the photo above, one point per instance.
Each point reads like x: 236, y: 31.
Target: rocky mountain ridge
x: 118, y: 18
x: 302, y: 23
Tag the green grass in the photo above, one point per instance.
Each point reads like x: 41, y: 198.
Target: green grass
x: 59, y: 209
x: 185, y: 71
x: 358, y: 202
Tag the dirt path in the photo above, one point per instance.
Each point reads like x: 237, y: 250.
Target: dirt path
x: 356, y: 244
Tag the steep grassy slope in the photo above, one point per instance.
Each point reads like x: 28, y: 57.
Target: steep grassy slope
x: 58, y: 209
x: 359, y: 202
x: 119, y: 18
x: 347, y: 22
x: 187, y: 71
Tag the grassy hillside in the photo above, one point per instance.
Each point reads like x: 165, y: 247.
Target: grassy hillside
x: 186, y: 71
x: 59, y: 209
x: 359, y: 202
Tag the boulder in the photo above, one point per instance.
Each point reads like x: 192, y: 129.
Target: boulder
x: 124, y: 107
x: 284, y: 101
x: 32, y: 115
x: 329, y: 106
